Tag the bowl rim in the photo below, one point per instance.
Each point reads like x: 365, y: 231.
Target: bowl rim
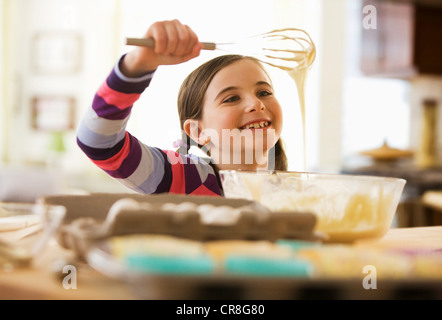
x: 318, y: 175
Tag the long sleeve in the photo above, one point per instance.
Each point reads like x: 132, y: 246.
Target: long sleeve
x: 102, y: 136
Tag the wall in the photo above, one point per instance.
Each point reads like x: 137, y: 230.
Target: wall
x: 2, y: 93
x: 333, y: 44
x: 94, y: 22
x: 374, y: 110
x: 38, y: 18
x: 4, y: 14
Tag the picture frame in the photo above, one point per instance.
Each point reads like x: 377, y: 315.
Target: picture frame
x: 53, y: 113
x: 56, y: 53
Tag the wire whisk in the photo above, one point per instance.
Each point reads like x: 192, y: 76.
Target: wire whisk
x: 286, y: 49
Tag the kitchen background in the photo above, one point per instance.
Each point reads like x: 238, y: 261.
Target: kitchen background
x: 377, y: 66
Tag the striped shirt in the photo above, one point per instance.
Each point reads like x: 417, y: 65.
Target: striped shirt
x: 102, y: 136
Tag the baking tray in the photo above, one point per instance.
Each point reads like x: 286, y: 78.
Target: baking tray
x: 221, y: 286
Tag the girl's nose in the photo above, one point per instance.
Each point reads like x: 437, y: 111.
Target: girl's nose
x: 255, y: 104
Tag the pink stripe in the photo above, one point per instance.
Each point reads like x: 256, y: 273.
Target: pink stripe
x: 178, y: 185
x: 115, y: 162
x: 115, y: 98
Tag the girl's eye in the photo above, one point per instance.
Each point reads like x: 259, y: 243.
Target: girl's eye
x: 264, y: 93
x: 231, y: 99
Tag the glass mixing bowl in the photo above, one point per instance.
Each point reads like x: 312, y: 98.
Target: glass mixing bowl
x: 347, y: 207
x: 25, y: 230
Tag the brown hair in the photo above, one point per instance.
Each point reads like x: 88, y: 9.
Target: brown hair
x: 191, y: 99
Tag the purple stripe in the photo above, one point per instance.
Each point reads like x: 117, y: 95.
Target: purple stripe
x: 108, y: 111
x: 212, y: 184
x: 114, y: 82
x: 99, y: 153
x: 192, y: 177
x: 130, y: 164
x: 166, y: 182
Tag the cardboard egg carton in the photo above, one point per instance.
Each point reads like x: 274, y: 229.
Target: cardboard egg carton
x: 94, y: 217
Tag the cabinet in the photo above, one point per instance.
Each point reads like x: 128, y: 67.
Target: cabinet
x: 406, y: 40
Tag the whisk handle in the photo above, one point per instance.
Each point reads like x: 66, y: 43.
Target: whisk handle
x: 149, y: 42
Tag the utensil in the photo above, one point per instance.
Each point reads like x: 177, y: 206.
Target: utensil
x: 285, y: 49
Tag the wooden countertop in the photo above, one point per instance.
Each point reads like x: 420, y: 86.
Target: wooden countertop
x: 43, y: 280
x: 418, y: 237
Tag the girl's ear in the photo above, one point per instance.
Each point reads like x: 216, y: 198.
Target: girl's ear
x: 192, y: 129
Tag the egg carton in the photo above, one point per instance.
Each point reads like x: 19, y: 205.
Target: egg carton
x: 94, y: 217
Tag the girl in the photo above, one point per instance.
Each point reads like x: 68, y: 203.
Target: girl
x: 226, y: 107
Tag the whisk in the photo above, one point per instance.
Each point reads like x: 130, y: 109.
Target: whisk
x: 286, y: 49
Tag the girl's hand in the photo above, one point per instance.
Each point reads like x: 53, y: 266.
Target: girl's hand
x: 174, y: 43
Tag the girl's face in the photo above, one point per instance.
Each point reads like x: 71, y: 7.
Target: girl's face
x: 241, y: 115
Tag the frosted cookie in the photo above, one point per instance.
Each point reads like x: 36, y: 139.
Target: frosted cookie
x: 257, y: 258
x: 163, y: 245
x: 161, y: 254
x: 222, y: 248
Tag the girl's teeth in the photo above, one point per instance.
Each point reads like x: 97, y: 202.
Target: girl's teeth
x: 264, y: 124
x: 257, y: 125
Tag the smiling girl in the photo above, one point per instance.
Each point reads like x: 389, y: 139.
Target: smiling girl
x: 227, y: 107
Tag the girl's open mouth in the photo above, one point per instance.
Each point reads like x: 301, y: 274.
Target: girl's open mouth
x: 256, y: 125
